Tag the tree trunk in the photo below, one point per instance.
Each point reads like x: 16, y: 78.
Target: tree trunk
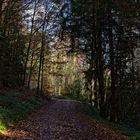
x: 41, y: 59
x: 29, y: 45
x: 31, y: 69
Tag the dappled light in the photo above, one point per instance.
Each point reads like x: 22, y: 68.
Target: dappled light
x: 69, y: 69
x: 18, y: 134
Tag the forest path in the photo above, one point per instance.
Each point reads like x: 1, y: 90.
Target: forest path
x: 61, y: 120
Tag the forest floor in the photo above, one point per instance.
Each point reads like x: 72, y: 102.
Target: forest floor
x: 61, y: 120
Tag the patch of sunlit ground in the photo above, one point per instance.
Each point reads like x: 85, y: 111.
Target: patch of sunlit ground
x: 18, y: 134
x: 2, y: 127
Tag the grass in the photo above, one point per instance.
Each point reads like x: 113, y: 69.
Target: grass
x: 132, y: 133
x: 15, y: 106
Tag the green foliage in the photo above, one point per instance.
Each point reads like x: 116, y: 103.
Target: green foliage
x: 77, y: 96
x: 13, y: 109
x: 132, y: 133
x: 77, y: 91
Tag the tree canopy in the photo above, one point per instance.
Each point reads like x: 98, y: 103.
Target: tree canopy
x: 85, y: 49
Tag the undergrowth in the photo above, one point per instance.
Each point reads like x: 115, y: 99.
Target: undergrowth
x: 132, y: 133
x: 16, y: 106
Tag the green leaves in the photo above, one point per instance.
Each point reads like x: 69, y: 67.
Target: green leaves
x: 13, y: 108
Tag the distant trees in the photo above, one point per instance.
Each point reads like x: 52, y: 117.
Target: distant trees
x: 64, y: 75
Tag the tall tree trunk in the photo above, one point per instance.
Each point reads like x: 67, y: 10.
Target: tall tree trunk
x: 40, y: 66
x: 31, y: 69
x: 113, y: 103
x: 30, y: 42
x: 42, y: 73
x: 41, y: 59
x: 101, y: 69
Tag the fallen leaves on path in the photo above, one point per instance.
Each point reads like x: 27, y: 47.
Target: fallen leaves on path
x: 61, y: 120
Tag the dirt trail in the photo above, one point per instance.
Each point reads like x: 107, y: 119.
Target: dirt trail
x: 61, y: 120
